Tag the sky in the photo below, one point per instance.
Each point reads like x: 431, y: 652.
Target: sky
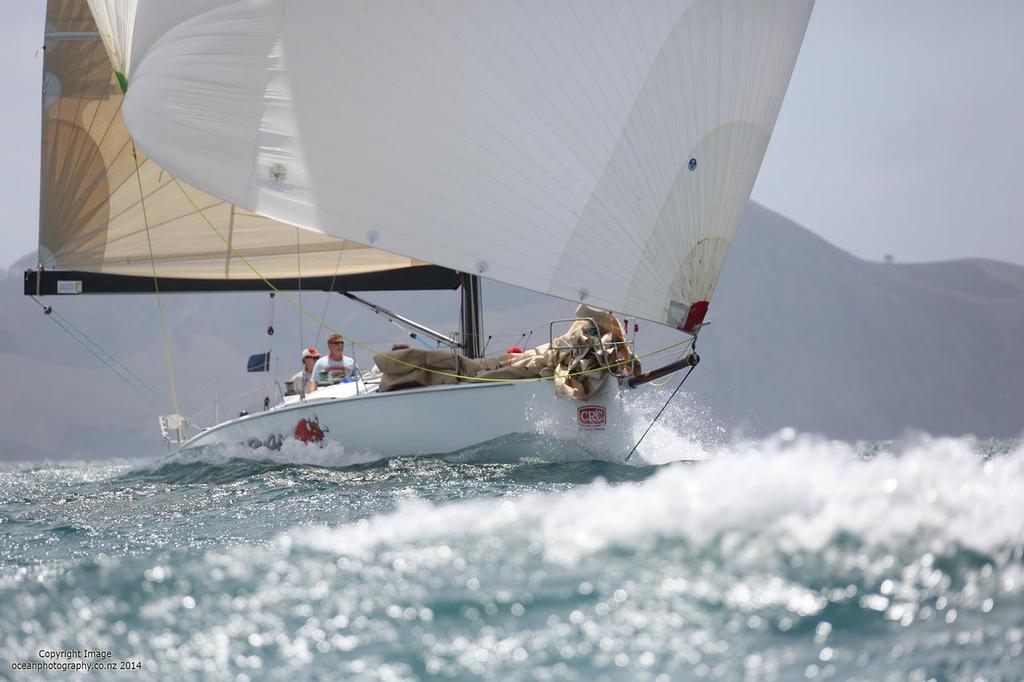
x: 901, y: 133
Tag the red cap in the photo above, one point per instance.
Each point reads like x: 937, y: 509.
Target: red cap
x: 310, y: 353
x: 514, y: 349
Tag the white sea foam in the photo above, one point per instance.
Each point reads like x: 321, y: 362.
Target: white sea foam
x: 934, y: 495
x: 328, y: 454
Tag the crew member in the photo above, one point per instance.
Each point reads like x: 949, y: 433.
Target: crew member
x: 336, y: 366
x: 303, y: 381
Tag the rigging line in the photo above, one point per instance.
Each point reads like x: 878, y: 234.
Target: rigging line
x: 330, y: 290
x: 156, y: 287
x: 666, y: 382
x: 109, y: 366
x: 50, y: 310
x: 649, y: 426
x: 191, y: 419
x: 231, y: 236
x: 102, y: 352
x: 520, y: 336
x: 97, y: 354
x: 399, y: 361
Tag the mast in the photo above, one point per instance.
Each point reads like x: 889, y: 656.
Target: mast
x: 471, y: 324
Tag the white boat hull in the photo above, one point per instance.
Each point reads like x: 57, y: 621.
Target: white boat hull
x: 436, y: 420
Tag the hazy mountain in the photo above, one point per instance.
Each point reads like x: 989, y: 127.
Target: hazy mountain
x: 807, y: 335
x: 802, y: 335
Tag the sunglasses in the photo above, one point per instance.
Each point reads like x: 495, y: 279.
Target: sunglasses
x: 335, y: 343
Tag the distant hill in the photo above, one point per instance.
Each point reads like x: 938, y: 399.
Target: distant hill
x: 802, y: 335
x: 809, y: 336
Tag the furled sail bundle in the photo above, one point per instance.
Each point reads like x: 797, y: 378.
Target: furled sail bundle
x: 600, y: 151
x: 106, y: 207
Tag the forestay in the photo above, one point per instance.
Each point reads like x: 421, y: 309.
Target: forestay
x: 93, y: 214
x: 601, y: 151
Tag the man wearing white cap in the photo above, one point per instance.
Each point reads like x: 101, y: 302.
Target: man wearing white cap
x: 303, y: 382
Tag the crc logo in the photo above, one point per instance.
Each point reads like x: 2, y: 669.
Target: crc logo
x: 591, y: 417
x: 309, y: 431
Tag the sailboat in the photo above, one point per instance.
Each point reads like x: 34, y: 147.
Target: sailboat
x: 600, y: 152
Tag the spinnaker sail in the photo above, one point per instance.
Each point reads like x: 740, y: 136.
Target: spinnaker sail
x: 597, y: 151
x: 108, y: 208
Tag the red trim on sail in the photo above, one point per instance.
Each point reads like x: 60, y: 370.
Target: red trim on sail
x: 695, y: 317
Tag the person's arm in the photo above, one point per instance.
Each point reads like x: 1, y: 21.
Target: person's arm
x: 310, y: 384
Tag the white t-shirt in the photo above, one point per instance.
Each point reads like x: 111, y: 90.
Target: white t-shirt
x: 327, y: 371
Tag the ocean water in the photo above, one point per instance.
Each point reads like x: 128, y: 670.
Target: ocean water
x: 790, y: 558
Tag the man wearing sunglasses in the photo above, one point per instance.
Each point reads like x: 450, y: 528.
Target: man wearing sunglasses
x: 335, y: 366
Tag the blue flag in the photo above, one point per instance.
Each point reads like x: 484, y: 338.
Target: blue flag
x: 259, y: 362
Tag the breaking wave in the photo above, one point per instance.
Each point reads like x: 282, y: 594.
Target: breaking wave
x: 935, y: 496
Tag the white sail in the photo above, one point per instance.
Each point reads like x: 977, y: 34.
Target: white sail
x: 103, y: 210
x: 600, y: 151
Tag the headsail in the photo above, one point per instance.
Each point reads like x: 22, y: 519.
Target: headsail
x: 599, y: 151
x: 93, y: 216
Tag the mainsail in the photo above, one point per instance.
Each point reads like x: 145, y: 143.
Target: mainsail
x: 599, y: 151
x: 109, y: 209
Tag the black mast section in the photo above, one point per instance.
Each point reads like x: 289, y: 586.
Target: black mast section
x: 472, y: 323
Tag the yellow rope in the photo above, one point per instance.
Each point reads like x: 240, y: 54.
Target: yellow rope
x: 665, y: 382
x: 156, y: 287
x: 354, y: 342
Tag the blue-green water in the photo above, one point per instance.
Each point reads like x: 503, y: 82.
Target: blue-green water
x: 787, y: 559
